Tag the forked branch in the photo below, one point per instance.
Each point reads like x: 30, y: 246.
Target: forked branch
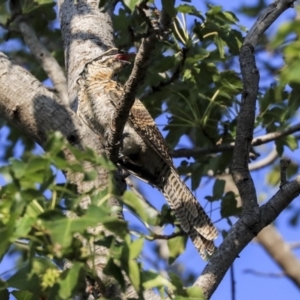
x: 253, y: 218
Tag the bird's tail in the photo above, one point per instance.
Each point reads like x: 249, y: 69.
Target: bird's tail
x: 191, y: 216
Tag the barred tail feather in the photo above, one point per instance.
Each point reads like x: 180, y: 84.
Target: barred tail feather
x: 205, y: 247
x: 191, y: 216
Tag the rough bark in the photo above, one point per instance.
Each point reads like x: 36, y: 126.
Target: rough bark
x: 240, y: 235
x: 47, y: 61
x: 40, y: 112
x: 29, y: 106
x: 253, y: 218
x: 281, y: 253
x: 269, y: 238
x: 86, y: 33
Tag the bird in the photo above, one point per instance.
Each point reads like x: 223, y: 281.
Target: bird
x: 143, y: 152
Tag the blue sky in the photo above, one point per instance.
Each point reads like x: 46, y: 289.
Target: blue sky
x: 253, y: 256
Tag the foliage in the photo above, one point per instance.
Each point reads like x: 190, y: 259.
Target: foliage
x: 193, y: 80
x: 34, y: 225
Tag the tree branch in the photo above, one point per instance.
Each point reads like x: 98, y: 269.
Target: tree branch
x: 284, y: 163
x: 253, y: 218
x: 87, y: 32
x: 30, y: 107
x: 264, y: 162
x: 42, y: 55
x: 9, y: 29
x: 124, y: 105
x: 240, y: 235
x: 155, y: 236
x: 233, y: 282
x: 260, y: 140
x: 245, y: 120
x: 83, y: 38
x: 277, y: 248
x: 294, y: 245
x: 264, y: 274
x: 173, y: 77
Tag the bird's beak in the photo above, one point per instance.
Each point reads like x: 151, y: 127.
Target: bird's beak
x: 124, y: 57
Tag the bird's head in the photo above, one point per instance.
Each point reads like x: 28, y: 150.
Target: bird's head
x: 108, y: 64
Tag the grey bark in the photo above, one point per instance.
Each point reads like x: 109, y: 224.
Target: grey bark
x: 40, y: 112
x: 42, y: 55
x: 281, y: 253
x: 29, y: 106
x: 87, y: 32
x: 253, y: 218
x: 241, y: 234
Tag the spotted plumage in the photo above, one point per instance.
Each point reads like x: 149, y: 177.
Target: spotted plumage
x: 143, y: 152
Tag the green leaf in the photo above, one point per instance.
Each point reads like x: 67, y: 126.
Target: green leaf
x: 189, y: 9
x: 176, y: 246
x: 36, y: 164
x: 28, y: 276
x: 220, y: 45
x: 46, y: 10
x: 292, y: 73
x: 195, y: 293
x: 4, y: 295
x: 21, y: 295
x: 72, y: 281
x: 135, y: 248
x: 131, y: 4
x: 229, y: 205
x: 285, y: 29
x: 291, y: 141
x: 177, y: 282
x: 168, y: 5
x: 18, y: 167
x: 44, y: 1
x: 134, y: 274
x: 152, y: 280
x: 6, y: 233
x: 273, y: 177
x: 62, y: 228
x: 41, y: 264
x: 218, y: 188
x: 112, y: 269
x: 135, y: 205
x: 24, y: 224
x: 117, y: 226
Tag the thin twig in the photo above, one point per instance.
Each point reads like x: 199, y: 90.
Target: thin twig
x: 9, y: 29
x: 254, y: 218
x: 260, y: 140
x: 284, y: 163
x: 264, y: 274
x: 123, y: 108
x: 271, y: 157
x: 294, y: 245
x: 232, y: 281
x: 165, y: 236
x: 174, y: 76
x: 48, y: 62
